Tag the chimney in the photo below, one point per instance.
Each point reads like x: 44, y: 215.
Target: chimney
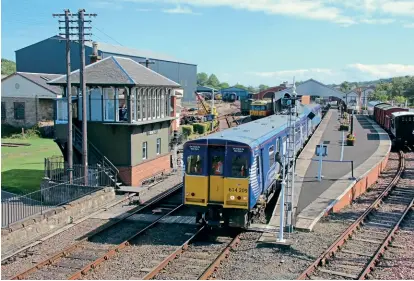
x: 95, y: 57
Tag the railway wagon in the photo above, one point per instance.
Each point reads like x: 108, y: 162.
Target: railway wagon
x: 378, y: 111
x: 261, y: 108
x: 387, y: 115
x: 245, y: 106
x: 402, y: 127
x: 230, y: 175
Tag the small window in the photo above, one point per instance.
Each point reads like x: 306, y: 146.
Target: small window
x: 239, y: 167
x: 158, y: 146
x: 217, y: 165
x: 19, y: 110
x: 277, y: 145
x: 271, y: 156
x: 3, y: 110
x: 194, y: 165
x: 144, y: 150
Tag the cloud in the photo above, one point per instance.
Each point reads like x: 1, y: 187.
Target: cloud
x: 179, y: 10
x: 351, y: 72
x: 342, y: 12
x: 409, y: 25
x: 106, y: 5
x: 377, y: 21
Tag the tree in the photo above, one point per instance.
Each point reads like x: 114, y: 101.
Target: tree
x: 7, y: 67
x: 379, y: 95
x: 263, y: 87
x: 202, y: 78
x: 251, y: 89
x: 399, y: 100
x: 240, y: 86
x: 345, y: 87
x: 224, y: 85
x: 213, y: 81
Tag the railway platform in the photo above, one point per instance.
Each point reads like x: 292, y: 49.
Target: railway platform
x: 313, y: 199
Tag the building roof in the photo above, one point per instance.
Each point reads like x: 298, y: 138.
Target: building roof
x: 205, y: 89
x: 117, y: 71
x: 40, y: 79
x: 255, y: 132
x: 233, y: 89
x: 121, y: 50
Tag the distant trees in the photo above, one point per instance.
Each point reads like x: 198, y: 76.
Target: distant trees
x: 399, y: 89
x: 7, y: 67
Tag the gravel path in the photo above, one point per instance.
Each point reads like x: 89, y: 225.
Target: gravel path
x: 47, y: 248
x: 146, y: 251
x: 252, y: 260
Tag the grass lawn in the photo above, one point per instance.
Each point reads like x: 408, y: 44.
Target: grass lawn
x: 22, y: 168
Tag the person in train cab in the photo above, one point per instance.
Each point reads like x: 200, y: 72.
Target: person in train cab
x: 242, y: 171
x: 218, y: 166
x: 197, y: 167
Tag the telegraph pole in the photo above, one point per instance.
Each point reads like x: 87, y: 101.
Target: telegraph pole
x: 82, y: 27
x: 147, y: 62
x: 67, y: 28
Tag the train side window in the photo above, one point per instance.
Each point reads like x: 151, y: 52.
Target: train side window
x: 239, y: 167
x: 392, y: 123
x: 217, y: 165
x: 277, y: 145
x: 194, y: 165
x: 271, y: 156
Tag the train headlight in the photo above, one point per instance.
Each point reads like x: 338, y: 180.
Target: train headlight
x: 232, y: 197
x: 187, y: 194
x: 238, y: 197
x: 244, y: 198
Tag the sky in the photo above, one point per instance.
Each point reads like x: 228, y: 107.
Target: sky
x: 250, y: 42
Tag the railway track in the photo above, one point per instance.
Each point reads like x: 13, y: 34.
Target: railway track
x: 76, y: 260
x: 357, y: 250
x: 197, y: 258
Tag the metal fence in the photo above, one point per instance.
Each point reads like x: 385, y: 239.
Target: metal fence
x: 19, y: 207
x: 56, y: 169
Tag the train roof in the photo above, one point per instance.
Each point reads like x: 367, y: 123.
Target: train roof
x: 402, y: 113
x: 395, y: 107
x: 382, y: 105
x: 261, y: 102
x: 256, y: 132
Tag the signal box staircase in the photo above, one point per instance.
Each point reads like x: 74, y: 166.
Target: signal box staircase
x: 95, y: 157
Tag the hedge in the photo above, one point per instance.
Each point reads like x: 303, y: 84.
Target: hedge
x: 187, y: 130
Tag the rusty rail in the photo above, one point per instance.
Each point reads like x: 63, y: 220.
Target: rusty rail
x: 321, y: 260
x: 370, y: 266
x: 217, y: 262
x: 68, y: 250
x: 172, y: 256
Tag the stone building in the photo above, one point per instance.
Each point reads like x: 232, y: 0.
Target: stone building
x: 27, y: 99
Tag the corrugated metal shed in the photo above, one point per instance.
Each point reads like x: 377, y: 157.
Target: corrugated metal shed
x: 48, y: 56
x: 242, y: 94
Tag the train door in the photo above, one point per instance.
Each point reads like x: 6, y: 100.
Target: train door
x: 216, y: 155
x: 259, y: 170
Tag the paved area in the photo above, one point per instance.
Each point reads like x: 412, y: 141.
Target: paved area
x: 371, y: 147
x: 312, y: 197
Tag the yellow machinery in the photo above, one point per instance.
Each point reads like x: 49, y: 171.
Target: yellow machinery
x: 205, y: 108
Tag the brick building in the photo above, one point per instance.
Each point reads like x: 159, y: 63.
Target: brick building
x: 27, y: 99
x: 130, y: 111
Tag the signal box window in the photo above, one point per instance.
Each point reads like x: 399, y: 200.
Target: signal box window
x: 194, y: 165
x: 217, y: 165
x: 239, y: 168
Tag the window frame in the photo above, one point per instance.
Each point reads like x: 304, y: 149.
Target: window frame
x: 15, y: 105
x: 158, y: 149
x: 144, y: 146
x: 272, y: 155
x: 188, y: 165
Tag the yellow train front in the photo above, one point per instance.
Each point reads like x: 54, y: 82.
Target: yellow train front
x: 260, y: 109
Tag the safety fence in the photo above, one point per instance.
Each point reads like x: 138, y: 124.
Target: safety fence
x: 18, y: 207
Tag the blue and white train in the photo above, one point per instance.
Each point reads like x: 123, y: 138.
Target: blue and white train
x: 230, y: 175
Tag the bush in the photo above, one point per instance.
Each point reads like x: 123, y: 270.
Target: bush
x: 11, y: 132
x: 187, y: 130
x: 201, y: 128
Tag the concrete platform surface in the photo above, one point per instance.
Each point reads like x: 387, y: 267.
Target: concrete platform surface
x: 372, y: 146
x: 312, y: 199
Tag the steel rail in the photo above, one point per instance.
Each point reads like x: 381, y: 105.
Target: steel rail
x: 223, y: 256
x: 67, y: 250
x: 321, y: 260
x: 373, y: 261
x: 172, y: 256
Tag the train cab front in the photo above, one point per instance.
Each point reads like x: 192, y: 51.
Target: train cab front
x: 216, y: 182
